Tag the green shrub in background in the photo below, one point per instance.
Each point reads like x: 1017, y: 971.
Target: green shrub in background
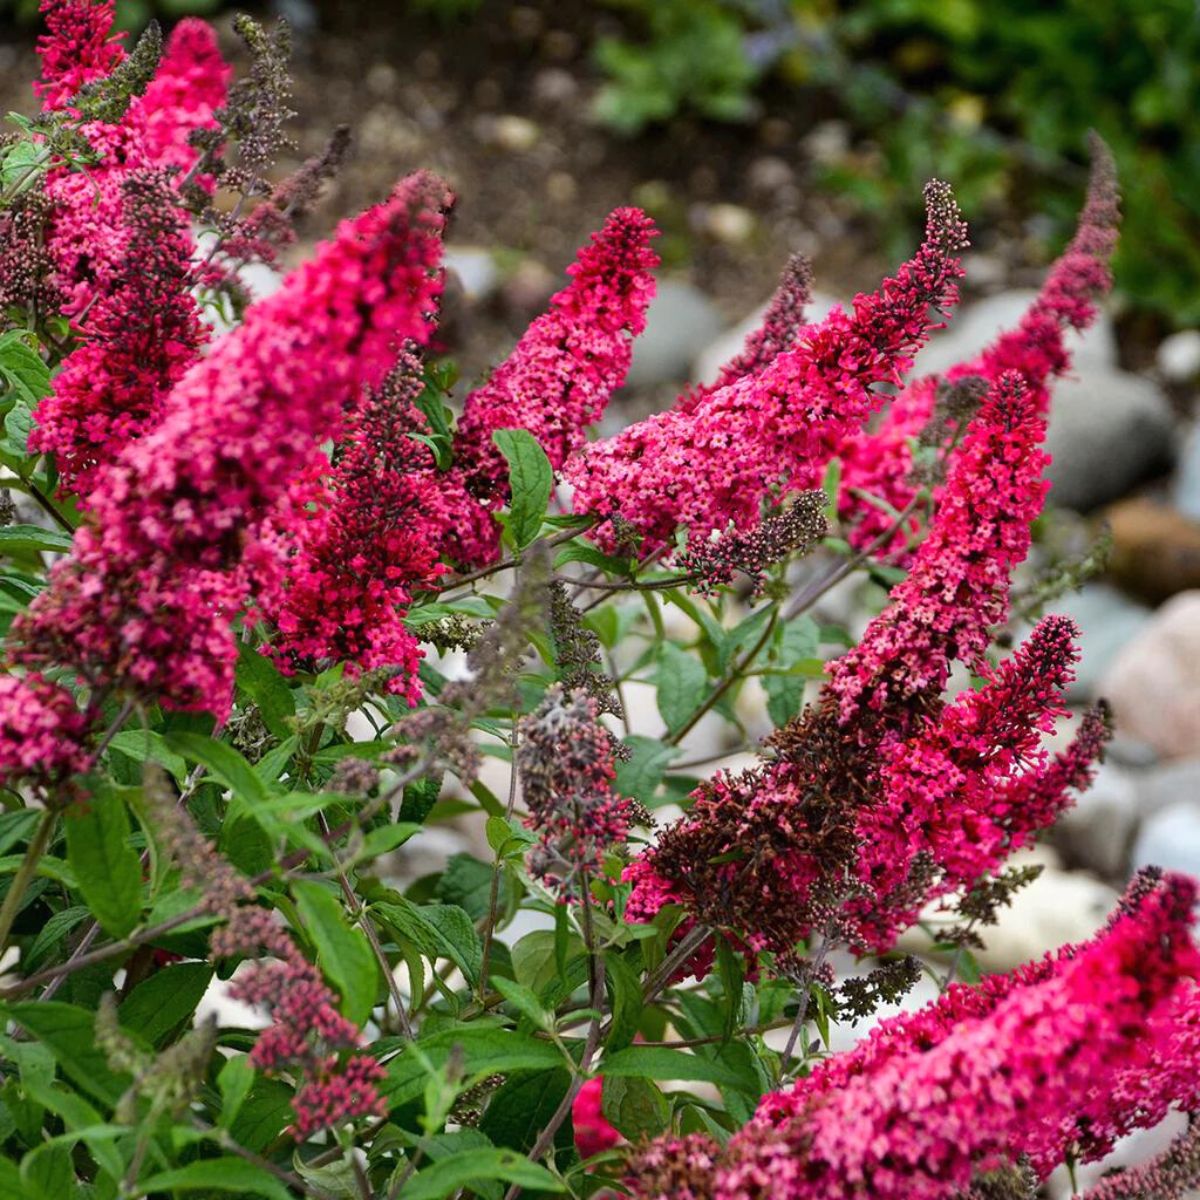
x: 997, y: 96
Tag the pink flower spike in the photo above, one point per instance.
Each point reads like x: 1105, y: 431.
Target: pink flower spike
x: 764, y: 435
x: 593, y: 1132
x: 78, y: 48
x: 560, y: 375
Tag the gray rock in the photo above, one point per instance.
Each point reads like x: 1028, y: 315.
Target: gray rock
x: 475, y: 268
x: 974, y: 327
x: 1178, y: 356
x: 1108, y: 431
x: 729, y: 344
x: 681, y: 321
x: 1153, y: 684
x: 1171, y: 839
x: 1185, y: 487
x: 1097, y: 831
x: 1168, y: 785
x: 1107, y: 620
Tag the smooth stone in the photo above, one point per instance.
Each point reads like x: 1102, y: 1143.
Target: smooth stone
x: 1097, y: 830
x: 1171, y: 839
x: 1108, y: 431
x: 475, y: 268
x: 729, y: 344
x: 680, y: 322
x: 729, y: 223
x: 1167, y: 785
x: 1108, y: 620
x: 1153, y: 684
x: 976, y: 326
x: 1185, y: 487
x: 1156, y: 550
x: 1178, y: 356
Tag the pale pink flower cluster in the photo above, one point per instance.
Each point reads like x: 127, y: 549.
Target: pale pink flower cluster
x: 1061, y: 1056
x: 559, y: 376
x: 147, y: 597
x: 880, y: 462
x: 701, y: 467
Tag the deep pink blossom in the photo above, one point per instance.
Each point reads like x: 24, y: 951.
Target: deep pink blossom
x: 880, y: 462
x: 559, y: 376
x: 187, y: 89
x: 308, y: 1038
x: 1022, y: 1065
x: 957, y: 589
x: 345, y: 560
x: 144, y: 332
x: 41, y: 731
x: 771, y: 433
x: 156, y: 576
x: 593, y: 1132
x: 78, y: 48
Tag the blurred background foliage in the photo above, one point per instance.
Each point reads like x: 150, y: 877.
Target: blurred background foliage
x: 995, y: 95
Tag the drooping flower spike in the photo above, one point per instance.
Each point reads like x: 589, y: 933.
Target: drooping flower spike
x: 560, y: 375
x: 1028, y: 1066
x: 880, y: 462
x: 155, y: 578
x: 764, y: 435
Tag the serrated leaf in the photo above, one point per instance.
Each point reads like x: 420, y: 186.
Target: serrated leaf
x: 160, y: 1004
x: 260, y: 679
x: 224, y: 763
x: 665, y: 1062
x: 682, y: 685
x: 69, y: 1033
x: 530, y: 479
x: 18, y: 539
x: 107, y: 869
x: 225, y: 1174
x: 634, y: 1107
x: 641, y: 773
x: 343, y: 953
x: 143, y: 744
x: 523, y: 1106
x: 448, y: 1176
x: 235, y: 1080
x: 439, y: 931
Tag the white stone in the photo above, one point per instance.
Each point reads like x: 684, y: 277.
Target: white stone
x: 680, y: 322
x: 1185, y: 487
x: 1178, y: 356
x: 974, y: 327
x: 1171, y: 839
x: 1154, y: 682
x: 1098, y: 829
x: 475, y: 268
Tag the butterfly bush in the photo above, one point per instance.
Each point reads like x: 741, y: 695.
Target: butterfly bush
x: 279, y: 605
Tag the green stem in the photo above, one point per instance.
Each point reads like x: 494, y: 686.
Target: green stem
x: 25, y: 873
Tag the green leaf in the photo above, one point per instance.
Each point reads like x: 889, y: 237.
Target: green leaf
x: 17, y: 539
x: 634, y: 1106
x: 160, y: 1004
x: 665, y: 1062
x: 523, y: 1106
x: 525, y: 1001
x: 486, y: 1050
x: 260, y: 679
x: 682, y: 684
x: 17, y: 827
x: 262, y: 1115
x: 224, y: 763
x: 531, y: 480
x: 625, y: 992
x: 69, y: 1033
x: 344, y: 953
x: 641, y: 773
x: 446, y: 1177
x: 799, y: 641
x: 225, y: 1174
x: 22, y: 368
x: 143, y: 744
x: 439, y: 931
x: 107, y: 868
x: 742, y: 636
x: 235, y: 1080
